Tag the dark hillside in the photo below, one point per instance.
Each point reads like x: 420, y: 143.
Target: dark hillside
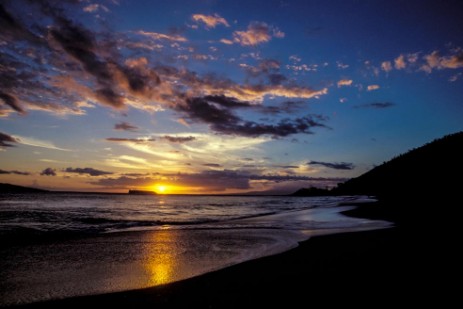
x: 420, y: 187
x: 433, y: 169
x: 6, y: 188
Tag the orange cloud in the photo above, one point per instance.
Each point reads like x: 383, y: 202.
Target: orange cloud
x: 372, y: 87
x: 211, y: 21
x: 162, y: 36
x: 345, y: 82
x: 91, y: 8
x: 399, y: 62
x: 257, y: 33
x: 386, y: 66
x: 226, y: 41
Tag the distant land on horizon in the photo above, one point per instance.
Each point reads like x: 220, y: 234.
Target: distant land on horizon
x: 9, y: 188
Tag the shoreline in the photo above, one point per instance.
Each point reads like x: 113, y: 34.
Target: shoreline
x: 379, y: 264
x: 321, y: 266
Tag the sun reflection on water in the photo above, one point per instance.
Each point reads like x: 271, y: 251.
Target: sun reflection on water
x: 161, y: 254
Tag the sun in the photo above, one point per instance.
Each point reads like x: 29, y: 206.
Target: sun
x: 161, y: 189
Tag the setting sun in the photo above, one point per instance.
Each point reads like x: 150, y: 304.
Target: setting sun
x: 161, y: 189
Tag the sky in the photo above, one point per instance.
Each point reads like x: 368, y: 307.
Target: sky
x: 211, y: 96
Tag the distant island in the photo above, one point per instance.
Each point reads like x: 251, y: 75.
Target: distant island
x: 142, y: 192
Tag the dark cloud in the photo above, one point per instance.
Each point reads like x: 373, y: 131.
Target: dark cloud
x: 178, y: 139
x: 14, y: 172
x: 222, y: 119
x: 124, y: 182
x: 6, y: 140
x: 125, y: 126
x: 267, y: 71
x: 12, y: 102
x: 227, y: 102
x: 131, y: 140
x: 336, y: 166
x: 12, y: 28
x: 377, y: 105
x: 87, y: 170
x: 53, y: 63
x: 55, y: 48
x: 276, y: 78
x: 282, y: 178
x: 48, y: 172
x: 286, y: 107
x: 212, y: 180
x: 212, y: 165
x: 135, y: 174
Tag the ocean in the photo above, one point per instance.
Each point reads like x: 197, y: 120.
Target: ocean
x: 69, y: 244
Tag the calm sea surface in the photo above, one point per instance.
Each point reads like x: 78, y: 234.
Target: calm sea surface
x: 63, y: 245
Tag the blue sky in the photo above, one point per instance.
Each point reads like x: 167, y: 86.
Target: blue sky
x: 221, y: 96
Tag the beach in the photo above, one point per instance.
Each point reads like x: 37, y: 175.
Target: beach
x: 386, y: 266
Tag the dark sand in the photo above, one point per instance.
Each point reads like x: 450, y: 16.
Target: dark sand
x: 395, y: 266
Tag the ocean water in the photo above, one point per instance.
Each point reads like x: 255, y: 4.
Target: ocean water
x: 64, y: 245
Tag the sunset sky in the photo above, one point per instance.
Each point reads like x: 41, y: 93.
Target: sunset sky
x: 221, y: 96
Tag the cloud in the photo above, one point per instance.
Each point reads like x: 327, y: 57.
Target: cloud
x: 211, y: 85
x: 30, y: 141
x: 58, y: 63
x: 286, y: 107
x: 222, y: 119
x: 386, y: 66
x: 283, y: 178
x: 48, y: 172
x: 268, y: 70
x: 14, y: 172
x: 436, y: 61
x: 67, y: 68
x: 226, y: 41
x: 341, y: 65
x: 92, y: 8
x: 399, y: 62
x: 455, y: 77
x: 372, y: 87
x: 209, y: 180
x: 257, y: 33
x: 87, y: 170
x: 6, y: 140
x: 12, y: 27
x: 80, y: 44
x: 211, y: 21
x: 162, y: 36
x: 178, y: 139
x: 12, y: 102
x: 377, y: 105
x: 76, y: 67
x: 345, y: 82
x: 130, y: 140
x: 124, y: 182
x: 212, y: 165
x: 125, y: 126
x: 336, y: 165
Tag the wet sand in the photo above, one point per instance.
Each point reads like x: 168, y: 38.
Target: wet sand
x: 399, y: 265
